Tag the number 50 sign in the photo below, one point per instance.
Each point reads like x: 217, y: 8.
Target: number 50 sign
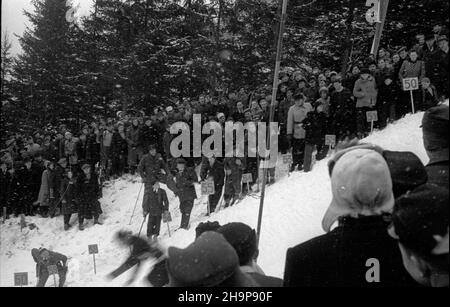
x: 410, y: 84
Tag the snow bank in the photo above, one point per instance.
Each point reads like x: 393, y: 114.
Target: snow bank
x: 293, y: 210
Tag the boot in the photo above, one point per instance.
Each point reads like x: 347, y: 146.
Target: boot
x: 66, y: 227
x: 81, y: 227
x: 96, y: 222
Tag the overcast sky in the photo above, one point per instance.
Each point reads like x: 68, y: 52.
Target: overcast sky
x: 15, y: 22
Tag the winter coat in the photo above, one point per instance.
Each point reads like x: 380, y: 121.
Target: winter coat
x: 133, y: 137
x: 150, y: 169
x: 315, y: 125
x: 68, y: 192
x: 325, y: 103
x: 184, y: 183
x: 284, y: 107
x: 412, y: 70
x: 70, y: 150
x: 236, y: 173
x: 388, y: 94
x: 312, y: 94
x: 155, y: 203
x: 25, y: 177
x: 215, y: 171
x: 119, y: 145
x: 88, y: 193
x: 92, y: 149
x: 365, y: 92
x: 437, y: 168
x: 166, y: 141
x: 339, y: 258
x: 296, y: 115
x: 42, y: 264
x: 13, y: 191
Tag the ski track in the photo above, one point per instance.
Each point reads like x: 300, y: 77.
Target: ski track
x: 293, y: 210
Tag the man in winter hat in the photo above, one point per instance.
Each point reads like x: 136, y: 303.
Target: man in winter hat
x: 362, y: 198
x: 435, y: 140
x: 244, y: 240
x: 210, y: 261
x: 45, y: 258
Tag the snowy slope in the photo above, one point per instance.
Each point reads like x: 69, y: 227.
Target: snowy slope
x: 293, y: 210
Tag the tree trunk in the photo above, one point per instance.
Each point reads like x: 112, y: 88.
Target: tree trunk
x: 348, y: 39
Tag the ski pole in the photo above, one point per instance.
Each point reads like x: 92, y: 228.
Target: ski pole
x: 134, y: 209
x: 168, y: 228
x: 142, y: 225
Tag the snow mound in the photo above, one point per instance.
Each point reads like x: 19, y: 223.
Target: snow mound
x: 293, y: 210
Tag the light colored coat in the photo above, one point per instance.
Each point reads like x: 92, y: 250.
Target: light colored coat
x: 296, y: 115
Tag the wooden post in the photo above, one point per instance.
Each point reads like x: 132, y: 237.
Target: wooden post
x: 272, y: 109
x: 95, y: 267
x: 412, y: 102
x: 4, y: 214
x: 54, y: 280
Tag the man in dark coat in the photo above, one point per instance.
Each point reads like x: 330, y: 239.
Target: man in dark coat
x: 212, y: 169
x: 150, y: 134
x: 435, y: 139
x: 88, y: 191
x: 154, y: 207
x: 68, y: 193
x: 45, y: 258
x: 55, y: 179
x: 185, y: 190
x: 359, y: 252
x: 243, y: 239
x: 342, y: 111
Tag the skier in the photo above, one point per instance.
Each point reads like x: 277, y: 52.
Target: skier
x: 156, y: 204
x: 185, y: 178
x: 140, y: 250
x: 88, y: 192
x: 45, y: 258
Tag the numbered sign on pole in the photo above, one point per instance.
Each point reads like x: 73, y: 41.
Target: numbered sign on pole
x: 93, y: 249
x: 372, y: 116
x: 410, y: 84
x: 208, y: 187
x: 20, y: 279
x: 330, y: 140
x: 373, y: 13
x: 247, y: 178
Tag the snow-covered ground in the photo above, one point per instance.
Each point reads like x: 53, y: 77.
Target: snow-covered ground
x: 293, y: 210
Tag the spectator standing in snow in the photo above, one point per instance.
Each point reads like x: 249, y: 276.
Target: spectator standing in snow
x: 212, y: 169
x: 156, y: 205
x: 88, y: 191
x: 295, y: 132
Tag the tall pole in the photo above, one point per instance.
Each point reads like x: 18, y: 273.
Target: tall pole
x: 272, y: 109
x: 379, y: 27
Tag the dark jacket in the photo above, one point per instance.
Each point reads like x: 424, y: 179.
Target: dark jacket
x: 155, y: 203
x: 184, y: 183
x: 150, y: 135
x: 215, y: 171
x: 150, y: 169
x: 315, y: 125
x: 119, y: 145
x: 339, y: 257
x: 437, y: 169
